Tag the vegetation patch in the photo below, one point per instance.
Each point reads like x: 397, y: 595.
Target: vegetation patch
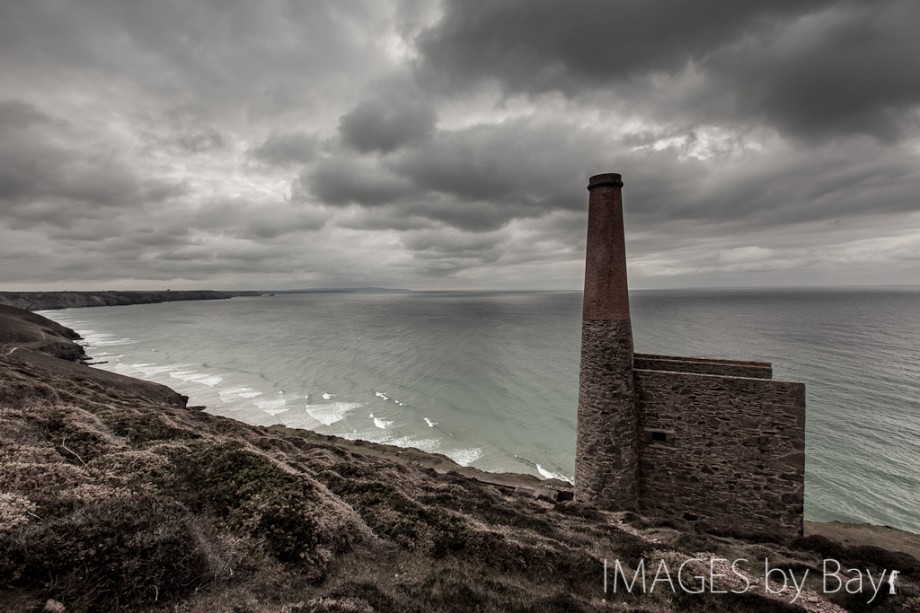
x: 108, y: 554
x: 144, y: 427
x: 257, y: 498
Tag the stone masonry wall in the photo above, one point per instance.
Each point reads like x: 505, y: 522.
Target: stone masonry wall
x: 704, y: 366
x: 725, y: 453
x: 606, y: 453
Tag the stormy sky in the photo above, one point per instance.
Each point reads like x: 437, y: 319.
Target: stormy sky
x: 294, y: 144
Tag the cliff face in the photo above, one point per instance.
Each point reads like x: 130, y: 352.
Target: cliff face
x: 19, y: 329
x: 37, y: 301
x: 115, y: 496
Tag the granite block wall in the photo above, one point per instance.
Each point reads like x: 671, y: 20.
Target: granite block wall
x: 724, y: 453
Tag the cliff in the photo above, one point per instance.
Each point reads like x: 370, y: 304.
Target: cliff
x: 116, y: 496
x: 38, y: 301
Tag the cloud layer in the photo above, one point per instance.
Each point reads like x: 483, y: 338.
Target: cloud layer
x: 402, y: 143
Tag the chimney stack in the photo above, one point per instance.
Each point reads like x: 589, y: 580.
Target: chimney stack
x: 606, y: 459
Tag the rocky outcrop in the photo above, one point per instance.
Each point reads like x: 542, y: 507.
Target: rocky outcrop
x: 39, y: 301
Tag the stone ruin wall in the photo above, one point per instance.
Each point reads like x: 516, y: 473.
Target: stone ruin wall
x: 726, y: 453
x: 718, y: 443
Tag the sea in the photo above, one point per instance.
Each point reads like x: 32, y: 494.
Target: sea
x: 490, y: 379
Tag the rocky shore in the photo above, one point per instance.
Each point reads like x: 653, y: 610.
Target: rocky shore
x: 39, y: 301
x: 114, y: 495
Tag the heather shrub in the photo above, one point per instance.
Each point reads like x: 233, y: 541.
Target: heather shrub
x: 108, y: 553
x: 257, y: 498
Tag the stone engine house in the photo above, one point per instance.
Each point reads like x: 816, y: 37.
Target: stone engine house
x: 718, y: 443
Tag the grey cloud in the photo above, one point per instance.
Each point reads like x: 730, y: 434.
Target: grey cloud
x: 200, y: 141
x: 45, y: 176
x: 348, y: 180
x: 792, y: 187
x: 18, y: 115
x: 204, y: 57
x: 295, y: 148
x: 27, y: 155
x: 383, y: 142
x: 271, y: 227
x: 535, y: 46
x: 481, y: 178
x: 479, y: 246
x: 815, y: 69
x: 517, y: 163
x: 386, y: 124
x: 393, y: 217
x: 183, y: 134
x: 257, y: 221
x: 848, y: 71
x: 86, y: 231
x: 160, y: 190
x: 476, y: 178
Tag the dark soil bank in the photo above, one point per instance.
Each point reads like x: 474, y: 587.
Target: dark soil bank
x: 116, y: 496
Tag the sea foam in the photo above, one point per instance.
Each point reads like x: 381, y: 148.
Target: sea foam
x: 464, y: 457
x: 196, y: 377
x: 230, y: 393
x: 329, y: 413
x: 381, y: 423
x: 548, y: 474
x: 273, y: 407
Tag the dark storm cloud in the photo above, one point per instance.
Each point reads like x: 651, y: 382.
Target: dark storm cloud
x: 537, y: 45
x: 386, y: 124
x: 810, y: 68
x: 848, y: 70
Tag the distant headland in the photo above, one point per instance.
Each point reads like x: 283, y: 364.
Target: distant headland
x: 39, y: 301
x: 42, y: 301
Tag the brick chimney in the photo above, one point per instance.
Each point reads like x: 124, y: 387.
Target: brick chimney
x: 606, y: 457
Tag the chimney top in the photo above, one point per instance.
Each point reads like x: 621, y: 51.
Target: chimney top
x: 608, y: 179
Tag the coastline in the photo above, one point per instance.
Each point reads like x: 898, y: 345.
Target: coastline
x: 291, y: 516
x: 40, y: 301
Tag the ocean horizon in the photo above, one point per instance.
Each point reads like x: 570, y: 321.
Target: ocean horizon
x: 490, y: 378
